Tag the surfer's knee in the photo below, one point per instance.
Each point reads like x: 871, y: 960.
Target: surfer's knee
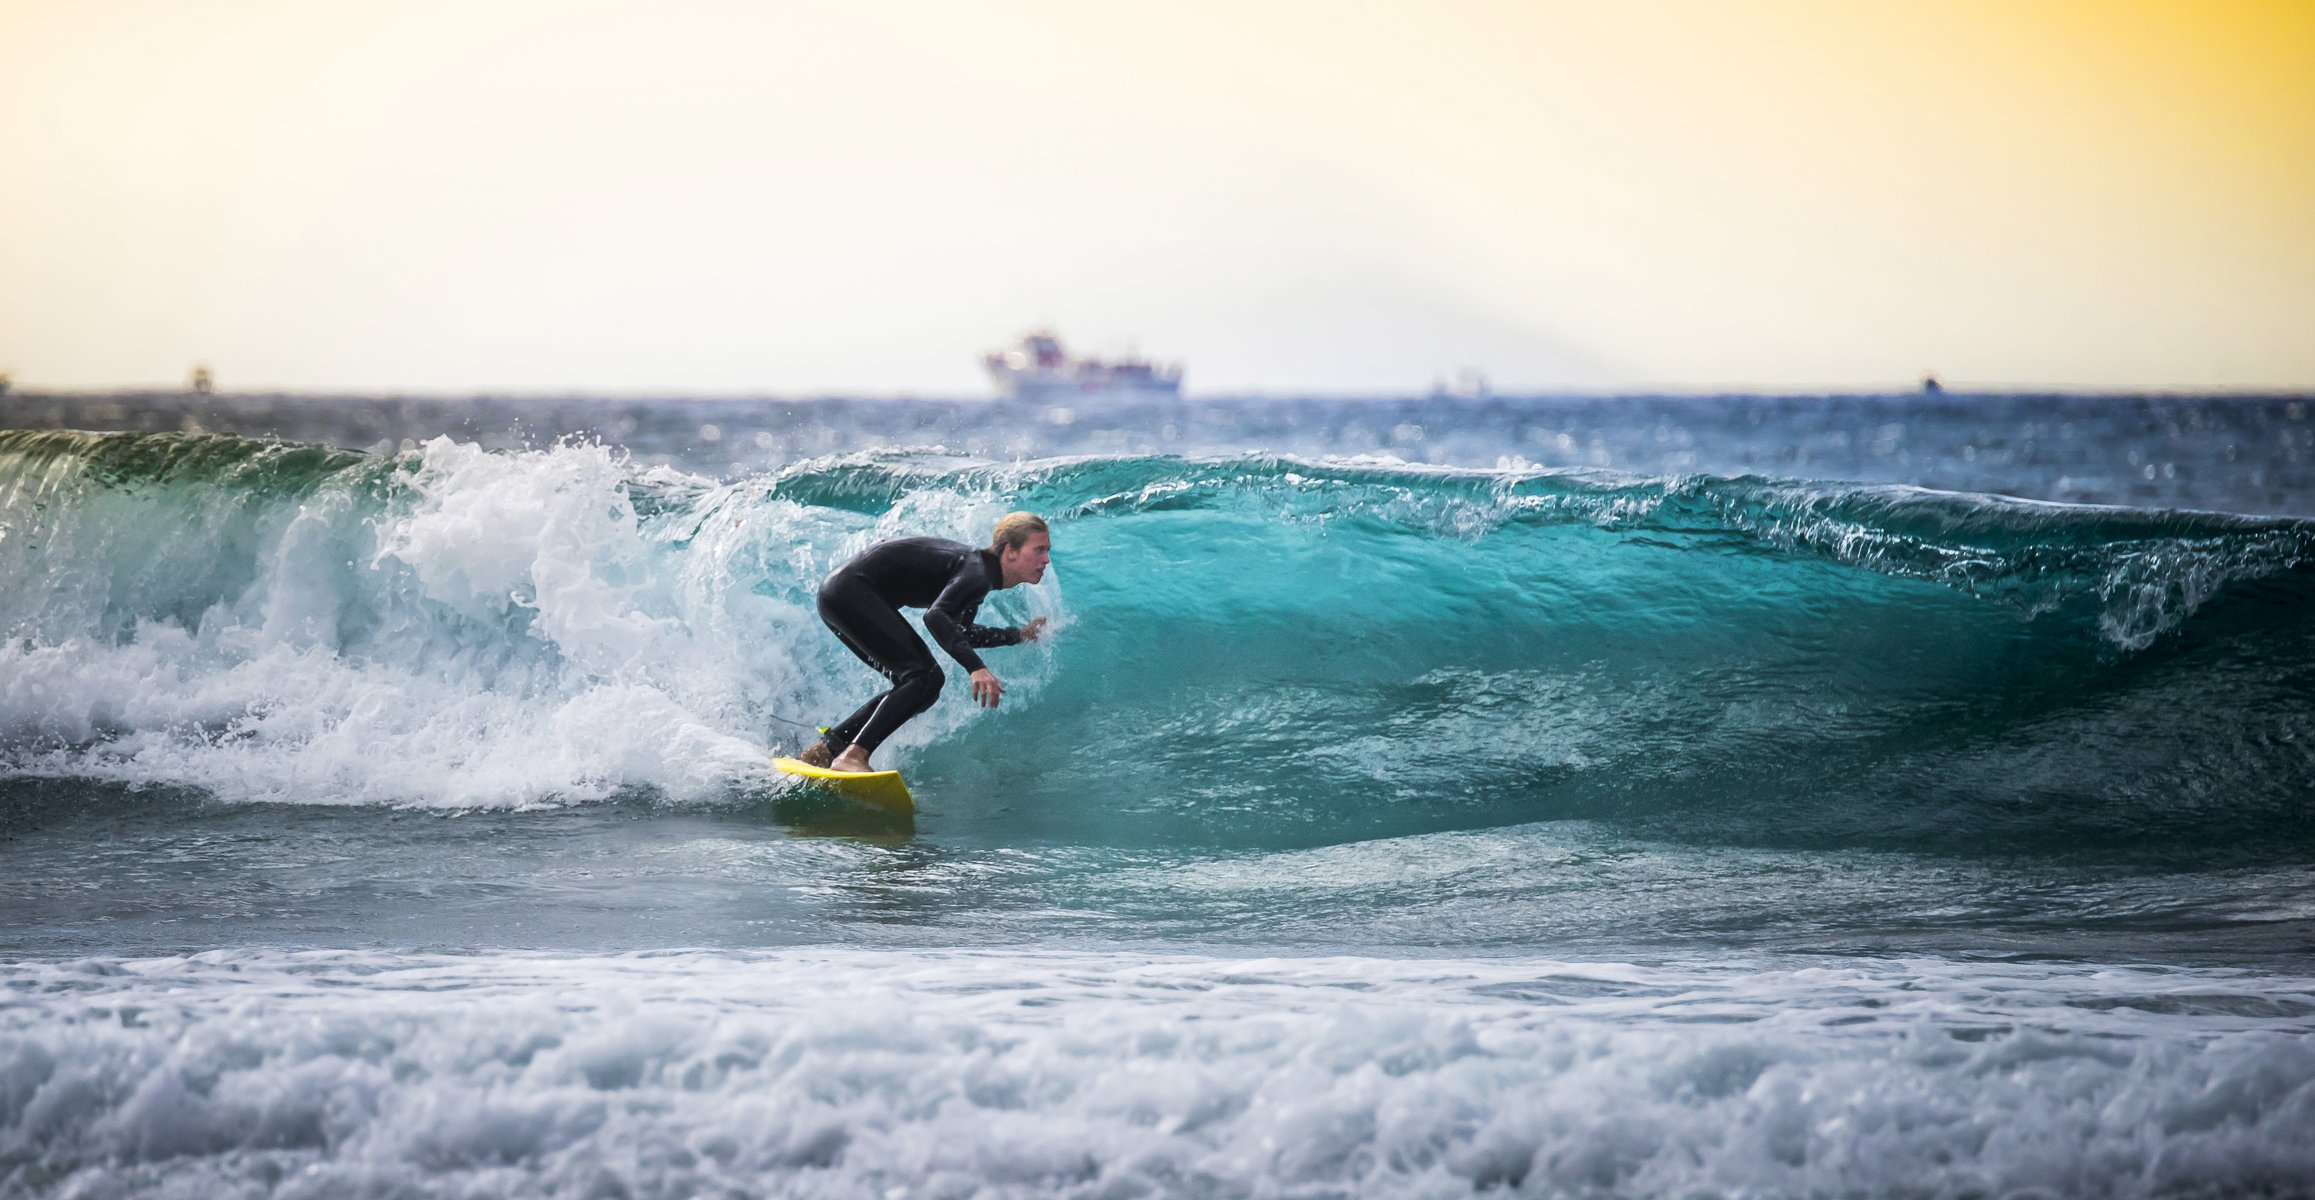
x: 921, y: 684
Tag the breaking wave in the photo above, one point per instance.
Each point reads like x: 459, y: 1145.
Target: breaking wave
x: 1256, y: 650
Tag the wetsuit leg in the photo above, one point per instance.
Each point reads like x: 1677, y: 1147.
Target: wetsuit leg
x: 875, y: 631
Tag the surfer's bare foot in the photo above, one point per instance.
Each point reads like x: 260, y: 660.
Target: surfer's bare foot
x: 853, y: 759
x: 817, y: 754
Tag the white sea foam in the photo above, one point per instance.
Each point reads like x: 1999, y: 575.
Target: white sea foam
x: 471, y: 629
x: 882, y: 1074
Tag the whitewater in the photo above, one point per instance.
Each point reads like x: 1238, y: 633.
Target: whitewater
x: 1646, y: 796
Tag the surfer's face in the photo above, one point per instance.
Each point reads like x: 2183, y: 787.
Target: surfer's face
x: 1026, y: 562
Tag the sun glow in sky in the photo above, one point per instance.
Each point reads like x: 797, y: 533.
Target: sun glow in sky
x: 757, y: 196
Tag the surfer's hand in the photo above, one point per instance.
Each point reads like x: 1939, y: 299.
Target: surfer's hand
x: 986, y: 689
x: 1030, y: 631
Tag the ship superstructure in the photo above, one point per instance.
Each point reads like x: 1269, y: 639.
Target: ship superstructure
x: 1037, y: 368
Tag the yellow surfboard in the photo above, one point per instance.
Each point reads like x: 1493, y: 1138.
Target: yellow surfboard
x: 876, y: 789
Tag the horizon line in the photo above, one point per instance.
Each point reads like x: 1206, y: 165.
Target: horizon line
x: 19, y: 392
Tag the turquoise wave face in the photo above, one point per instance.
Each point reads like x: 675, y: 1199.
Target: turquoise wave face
x: 1250, y: 652
x: 1277, y: 653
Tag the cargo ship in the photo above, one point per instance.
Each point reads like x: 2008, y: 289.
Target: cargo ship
x: 1037, y: 368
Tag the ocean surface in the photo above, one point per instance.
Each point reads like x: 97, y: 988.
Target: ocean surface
x: 1679, y: 796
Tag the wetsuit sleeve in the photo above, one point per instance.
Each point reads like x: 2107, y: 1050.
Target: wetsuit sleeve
x: 950, y: 619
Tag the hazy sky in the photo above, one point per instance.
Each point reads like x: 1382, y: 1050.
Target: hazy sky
x: 759, y: 196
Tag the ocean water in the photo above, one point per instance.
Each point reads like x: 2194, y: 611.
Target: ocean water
x: 1557, y: 796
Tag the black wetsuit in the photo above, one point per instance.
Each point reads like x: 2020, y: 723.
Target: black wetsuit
x: 861, y: 602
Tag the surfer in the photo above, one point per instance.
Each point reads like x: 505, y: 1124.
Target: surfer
x: 861, y: 604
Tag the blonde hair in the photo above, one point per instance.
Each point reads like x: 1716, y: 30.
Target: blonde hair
x: 1013, y: 530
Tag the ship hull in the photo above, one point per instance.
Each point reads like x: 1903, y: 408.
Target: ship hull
x: 1039, y: 370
